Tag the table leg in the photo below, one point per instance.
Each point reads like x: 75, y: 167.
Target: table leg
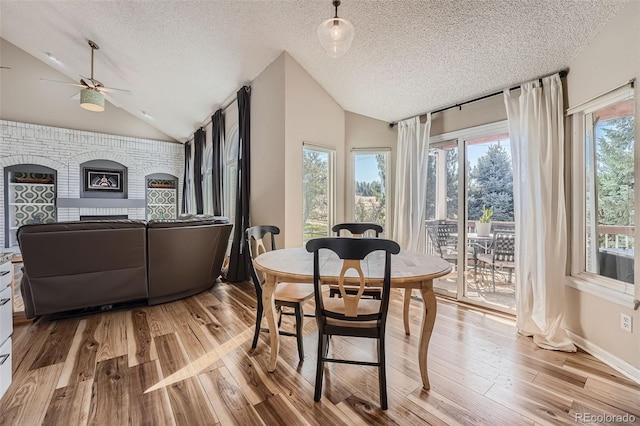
x: 270, y: 312
x: 405, y: 313
x: 428, y: 320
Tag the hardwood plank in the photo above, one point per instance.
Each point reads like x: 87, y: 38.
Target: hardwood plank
x: 227, y: 399
x: 255, y: 382
x: 110, y: 393
x: 159, y: 320
x: 277, y: 411
x: 28, y: 404
x: 534, y: 403
x: 189, y: 404
x: 148, y: 408
x: 58, y: 343
x: 112, y: 336
x: 70, y: 405
x: 299, y: 392
x: 81, y: 362
x: 140, y: 344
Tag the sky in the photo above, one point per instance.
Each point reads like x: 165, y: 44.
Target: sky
x: 366, y: 168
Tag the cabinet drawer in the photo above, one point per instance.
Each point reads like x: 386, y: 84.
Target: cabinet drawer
x: 5, y: 366
x: 6, y: 316
x: 5, y: 274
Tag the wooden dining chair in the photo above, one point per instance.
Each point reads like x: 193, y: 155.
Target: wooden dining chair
x: 356, y: 229
x: 351, y: 315
x: 289, y: 295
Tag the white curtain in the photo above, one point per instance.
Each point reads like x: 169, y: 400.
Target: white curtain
x: 411, y: 184
x: 537, y: 145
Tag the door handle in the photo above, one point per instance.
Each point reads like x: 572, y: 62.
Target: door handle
x: 4, y: 358
x: 4, y: 301
x: 3, y: 273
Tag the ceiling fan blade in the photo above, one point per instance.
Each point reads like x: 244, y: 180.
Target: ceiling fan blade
x: 111, y: 100
x: 113, y: 89
x: 75, y: 97
x: 62, y: 82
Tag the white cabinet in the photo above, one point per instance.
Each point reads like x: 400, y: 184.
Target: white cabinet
x: 6, y: 328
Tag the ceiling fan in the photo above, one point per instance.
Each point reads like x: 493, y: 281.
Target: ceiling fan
x: 93, y: 92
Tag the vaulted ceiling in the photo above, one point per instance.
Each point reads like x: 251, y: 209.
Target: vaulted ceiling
x: 183, y: 59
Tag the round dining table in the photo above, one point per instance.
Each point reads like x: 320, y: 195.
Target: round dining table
x: 409, y: 270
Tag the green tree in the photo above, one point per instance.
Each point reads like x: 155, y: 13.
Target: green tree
x: 315, y: 179
x: 615, y: 174
x: 491, y: 185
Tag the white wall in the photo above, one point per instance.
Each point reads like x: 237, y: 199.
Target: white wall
x: 612, y: 59
x: 288, y: 107
x: 311, y: 115
x: 65, y: 150
x: 365, y: 132
x: 268, y: 166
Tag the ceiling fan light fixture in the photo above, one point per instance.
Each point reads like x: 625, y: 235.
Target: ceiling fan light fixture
x: 91, y: 100
x: 335, y: 34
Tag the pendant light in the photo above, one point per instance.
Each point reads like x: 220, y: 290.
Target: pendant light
x: 92, y: 100
x: 335, y: 34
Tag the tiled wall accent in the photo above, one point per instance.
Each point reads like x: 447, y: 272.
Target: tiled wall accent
x: 64, y: 150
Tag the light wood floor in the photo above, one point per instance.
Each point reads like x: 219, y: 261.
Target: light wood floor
x: 190, y: 363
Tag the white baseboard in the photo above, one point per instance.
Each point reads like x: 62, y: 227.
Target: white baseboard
x: 611, y: 360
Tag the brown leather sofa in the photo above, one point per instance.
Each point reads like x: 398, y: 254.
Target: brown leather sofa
x: 77, y: 265
x: 185, y: 256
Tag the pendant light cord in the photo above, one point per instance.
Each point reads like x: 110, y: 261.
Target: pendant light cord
x: 336, y: 3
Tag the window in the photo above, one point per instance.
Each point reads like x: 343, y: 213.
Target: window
x: 603, y: 232
x: 230, y: 182
x: 207, y: 184
x: 318, y: 194
x: 370, y: 174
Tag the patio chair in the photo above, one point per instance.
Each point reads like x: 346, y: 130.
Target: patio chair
x: 443, y: 241
x: 501, y: 255
x: 291, y: 295
x: 351, y: 315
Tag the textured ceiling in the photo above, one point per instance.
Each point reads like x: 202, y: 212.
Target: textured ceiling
x: 182, y: 59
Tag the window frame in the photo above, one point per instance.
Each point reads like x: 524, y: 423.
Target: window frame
x: 228, y: 204
x: 352, y: 179
x: 331, y: 209
x: 207, y: 180
x: 615, y: 291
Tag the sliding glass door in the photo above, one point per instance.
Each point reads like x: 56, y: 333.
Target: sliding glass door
x: 470, y: 215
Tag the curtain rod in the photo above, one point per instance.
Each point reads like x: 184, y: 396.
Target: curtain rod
x: 562, y: 73
x: 224, y: 108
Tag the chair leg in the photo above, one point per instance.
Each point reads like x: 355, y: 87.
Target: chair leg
x: 382, y: 373
x: 493, y: 277
x: 322, y: 343
x: 299, y: 325
x: 279, y: 309
x: 257, y: 332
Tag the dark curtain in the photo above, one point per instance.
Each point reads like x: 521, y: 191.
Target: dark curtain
x: 185, y: 181
x: 217, y: 121
x: 198, y: 142
x: 238, y: 262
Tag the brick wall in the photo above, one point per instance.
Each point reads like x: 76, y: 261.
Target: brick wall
x: 65, y: 149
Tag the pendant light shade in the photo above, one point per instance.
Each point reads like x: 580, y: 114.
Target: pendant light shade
x: 335, y: 34
x: 91, y: 100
